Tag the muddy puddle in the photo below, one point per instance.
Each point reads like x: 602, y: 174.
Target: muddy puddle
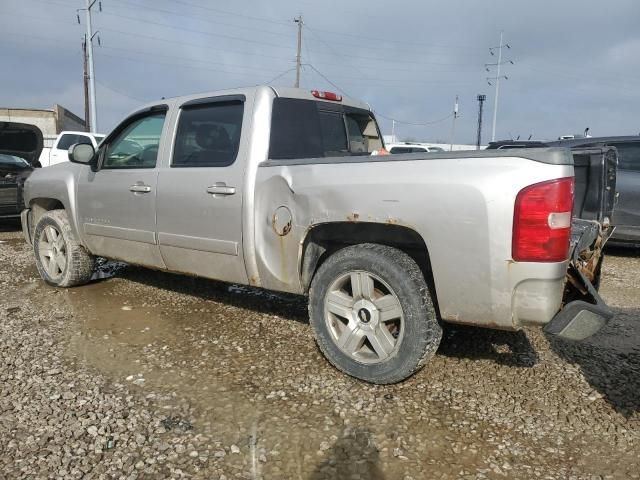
x: 239, y: 367
x: 242, y: 377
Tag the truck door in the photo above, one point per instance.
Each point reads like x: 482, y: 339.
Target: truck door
x: 117, y: 204
x: 199, y: 211
x: 626, y: 215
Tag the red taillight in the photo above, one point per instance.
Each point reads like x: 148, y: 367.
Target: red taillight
x: 334, y: 97
x: 542, y: 221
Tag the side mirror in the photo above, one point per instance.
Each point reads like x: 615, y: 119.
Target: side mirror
x: 81, y: 153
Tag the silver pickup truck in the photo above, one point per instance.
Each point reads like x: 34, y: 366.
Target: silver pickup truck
x: 281, y: 189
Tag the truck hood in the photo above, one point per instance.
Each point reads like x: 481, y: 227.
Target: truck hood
x: 22, y: 140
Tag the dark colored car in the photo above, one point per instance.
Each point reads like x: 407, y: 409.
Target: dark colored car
x: 626, y: 215
x: 20, y: 147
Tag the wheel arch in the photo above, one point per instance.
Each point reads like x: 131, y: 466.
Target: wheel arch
x: 38, y: 207
x: 324, y: 239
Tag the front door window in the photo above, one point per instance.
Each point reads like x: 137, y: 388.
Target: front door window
x: 137, y: 145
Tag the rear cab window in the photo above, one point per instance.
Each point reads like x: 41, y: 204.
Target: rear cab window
x: 69, y: 139
x: 313, y: 129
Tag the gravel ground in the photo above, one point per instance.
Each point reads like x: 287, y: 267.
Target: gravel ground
x: 152, y: 375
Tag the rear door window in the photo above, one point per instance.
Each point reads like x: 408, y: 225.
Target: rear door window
x: 208, y: 135
x: 628, y: 155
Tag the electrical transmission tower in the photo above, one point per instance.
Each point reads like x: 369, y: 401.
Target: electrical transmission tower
x: 497, y: 78
x: 481, y: 99
x: 87, y: 49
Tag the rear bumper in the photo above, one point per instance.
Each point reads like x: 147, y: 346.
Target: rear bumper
x: 580, y: 319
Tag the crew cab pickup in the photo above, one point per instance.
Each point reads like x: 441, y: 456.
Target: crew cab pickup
x: 278, y: 188
x: 59, y: 151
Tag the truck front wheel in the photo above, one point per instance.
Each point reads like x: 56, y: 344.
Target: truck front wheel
x: 372, y: 314
x: 61, y: 260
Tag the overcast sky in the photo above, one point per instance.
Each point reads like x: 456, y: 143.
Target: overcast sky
x: 576, y: 63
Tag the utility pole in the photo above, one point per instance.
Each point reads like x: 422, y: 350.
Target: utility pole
x: 85, y: 82
x: 299, y: 54
x: 453, y: 127
x: 481, y: 99
x: 93, y: 124
x: 497, y: 78
x: 393, y: 131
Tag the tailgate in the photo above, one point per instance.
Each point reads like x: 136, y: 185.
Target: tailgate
x: 595, y: 196
x: 584, y: 312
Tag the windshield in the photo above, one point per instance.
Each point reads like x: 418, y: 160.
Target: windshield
x: 13, y: 160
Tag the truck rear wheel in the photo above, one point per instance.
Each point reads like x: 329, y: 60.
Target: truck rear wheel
x: 372, y: 314
x: 61, y: 260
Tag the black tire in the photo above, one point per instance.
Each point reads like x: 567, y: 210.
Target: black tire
x: 79, y: 264
x: 422, y: 332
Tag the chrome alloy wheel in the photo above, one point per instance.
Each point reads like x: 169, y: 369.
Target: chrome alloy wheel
x: 364, y: 317
x: 52, y: 249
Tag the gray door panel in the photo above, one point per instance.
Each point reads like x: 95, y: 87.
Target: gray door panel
x: 626, y: 215
x: 627, y: 211
x: 200, y: 232
x: 117, y: 204
x: 117, y: 222
x: 199, y: 211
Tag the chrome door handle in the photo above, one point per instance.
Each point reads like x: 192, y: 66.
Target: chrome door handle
x: 140, y: 188
x: 220, y: 188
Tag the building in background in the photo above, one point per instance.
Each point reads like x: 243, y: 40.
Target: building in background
x: 50, y: 122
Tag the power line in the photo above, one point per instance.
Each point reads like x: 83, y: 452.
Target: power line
x: 279, y: 76
x: 401, y: 42
x: 206, y: 20
x: 423, y: 124
x: 412, y: 60
x: 200, y: 32
x: 192, y: 44
x: 385, y: 47
x: 226, y: 12
x: 327, y: 80
x: 393, y: 81
x: 415, y: 124
x: 182, y: 65
x: 140, y: 52
x: 334, y: 51
x: 121, y: 93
